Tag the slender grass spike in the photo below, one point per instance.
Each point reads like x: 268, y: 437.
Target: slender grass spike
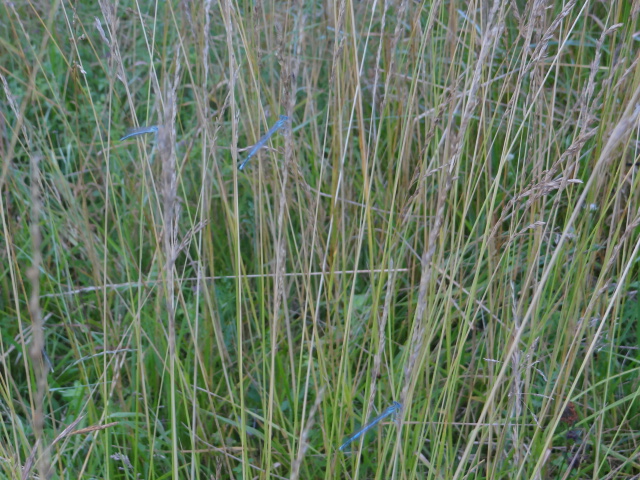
x: 277, y: 126
x: 140, y: 131
x: 390, y: 410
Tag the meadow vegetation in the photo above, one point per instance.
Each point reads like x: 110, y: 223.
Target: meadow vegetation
x: 450, y: 220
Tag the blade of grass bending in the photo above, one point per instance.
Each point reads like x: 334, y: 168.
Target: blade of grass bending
x: 390, y: 410
x: 277, y: 126
x: 140, y: 131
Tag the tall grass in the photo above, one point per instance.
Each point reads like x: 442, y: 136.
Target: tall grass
x: 451, y: 221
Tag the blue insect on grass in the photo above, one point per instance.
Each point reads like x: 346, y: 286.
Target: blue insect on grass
x: 132, y: 132
x: 390, y: 410
x: 277, y: 126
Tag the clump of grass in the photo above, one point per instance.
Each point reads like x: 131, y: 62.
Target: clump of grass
x: 451, y: 222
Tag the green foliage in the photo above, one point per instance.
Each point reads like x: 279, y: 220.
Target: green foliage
x: 451, y: 222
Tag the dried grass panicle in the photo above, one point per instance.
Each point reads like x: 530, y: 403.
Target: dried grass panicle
x: 382, y: 324
x: 290, y: 75
x: 303, y: 444
x: 339, y: 39
x: 532, y: 193
x: 402, y: 10
x: 170, y: 205
x: 417, y: 337
x: 496, y: 25
x: 114, y: 55
x: 584, y: 106
x: 624, y: 238
x: 540, y: 50
x: 37, y: 348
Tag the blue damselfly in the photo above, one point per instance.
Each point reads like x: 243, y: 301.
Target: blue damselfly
x: 277, y: 126
x: 390, y: 410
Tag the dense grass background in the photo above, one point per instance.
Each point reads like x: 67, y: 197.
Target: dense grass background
x: 450, y: 221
